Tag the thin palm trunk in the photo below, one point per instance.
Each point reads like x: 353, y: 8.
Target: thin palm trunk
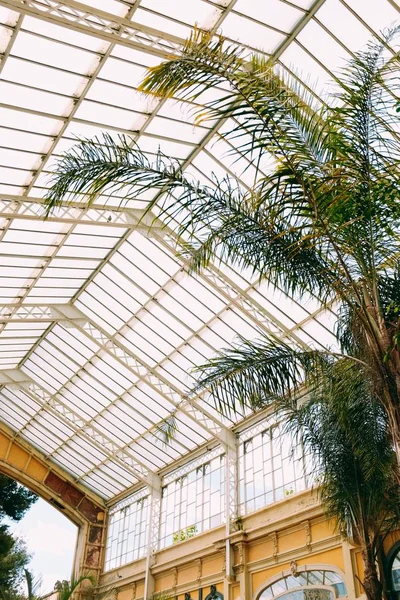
x: 371, y: 582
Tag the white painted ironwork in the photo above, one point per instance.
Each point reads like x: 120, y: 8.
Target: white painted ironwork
x: 74, y: 289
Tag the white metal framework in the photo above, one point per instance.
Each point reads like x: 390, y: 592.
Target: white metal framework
x: 204, y: 493
x: 100, y: 322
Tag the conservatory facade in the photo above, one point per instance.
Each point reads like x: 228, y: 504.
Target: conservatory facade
x: 102, y: 322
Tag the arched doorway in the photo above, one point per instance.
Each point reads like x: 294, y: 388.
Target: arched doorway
x: 29, y: 468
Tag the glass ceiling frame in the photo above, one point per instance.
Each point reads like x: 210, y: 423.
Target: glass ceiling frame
x: 90, y: 413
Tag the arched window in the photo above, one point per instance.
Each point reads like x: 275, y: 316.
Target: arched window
x: 306, y: 585
x: 393, y: 571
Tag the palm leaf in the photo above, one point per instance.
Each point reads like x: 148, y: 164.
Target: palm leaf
x: 66, y: 589
x: 167, y: 429
x: 345, y: 429
x: 258, y: 373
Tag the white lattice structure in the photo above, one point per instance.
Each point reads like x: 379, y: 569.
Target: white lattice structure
x: 101, y: 323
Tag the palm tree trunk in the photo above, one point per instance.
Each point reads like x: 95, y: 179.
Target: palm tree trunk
x: 382, y: 569
x: 371, y: 584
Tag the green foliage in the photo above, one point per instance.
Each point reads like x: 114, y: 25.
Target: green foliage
x: 161, y: 596
x: 345, y: 429
x: 66, y: 589
x: 15, y: 499
x: 13, y: 560
x: 167, y: 429
x: 33, y: 585
x: 184, y: 534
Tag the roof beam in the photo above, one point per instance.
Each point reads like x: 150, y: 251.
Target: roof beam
x: 98, y: 23
x: 76, y: 213
x: 225, y: 286
x: 69, y: 315
x: 37, y: 313
x: 16, y: 378
x: 190, y: 407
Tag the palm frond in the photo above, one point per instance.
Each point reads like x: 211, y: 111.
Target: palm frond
x: 167, y: 429
x: 225, y: 219
x: 345, y: 429
x: 33, y: 585
x: 272, y: 114
x: 104, y: 165
x: 66, y: 589
x: 257, y: 373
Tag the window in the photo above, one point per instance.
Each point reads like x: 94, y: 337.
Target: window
x: 127, y: 530
x: 270, y: 468
x: 193, y: 495
x: 193, y: 501
x: 395, y: 574
x: 306, y: 585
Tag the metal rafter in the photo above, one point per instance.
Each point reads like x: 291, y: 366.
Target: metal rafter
x: 112, y: 346
x: 58, y: 6
x: 115, y: 30
x: 76, y: 213
x: 55, y: 406
x: 100, y: 24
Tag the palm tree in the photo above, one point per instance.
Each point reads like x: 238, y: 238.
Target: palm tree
x: 33, y: 585
x: 325, y: 220
x: 346, y: 432
x: 67, y: 589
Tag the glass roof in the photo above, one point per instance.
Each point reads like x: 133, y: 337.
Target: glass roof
x: 100, y: 323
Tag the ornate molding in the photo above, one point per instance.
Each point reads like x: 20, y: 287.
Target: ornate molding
x: 133, y: 597
x: 293, y: 568
x: 307, y: 526
x: 199, y: 565
x: 175, y: 575
x: 242, y: 557
x: 275, y: 543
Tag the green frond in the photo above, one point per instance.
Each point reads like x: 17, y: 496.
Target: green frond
x: 33, y: 585
x: 227, y: 221
x: 273, y: 113
x: 103, y: 166
x: 167, y: 430
x: 345, y: 429
x: 257, y: 373
x: 66, y: 589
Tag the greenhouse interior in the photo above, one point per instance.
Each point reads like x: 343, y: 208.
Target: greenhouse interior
x: 200, y: 291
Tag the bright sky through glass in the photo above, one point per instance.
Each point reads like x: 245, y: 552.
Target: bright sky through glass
x: 100, y: 322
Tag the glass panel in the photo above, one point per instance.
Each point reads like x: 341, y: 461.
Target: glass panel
x: 396, y: 572
x: 193, y: 502
x: 127, y: 530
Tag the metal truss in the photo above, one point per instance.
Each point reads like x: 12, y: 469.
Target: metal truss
x: 54, y: 405
x: 100, y: 24
x: 75, y: 213
x: 235, y: 296
x: 231, y: 504
x: 125, y: 32
x: 70, y: 315
x: 149, y: 375
x: 153, y: 538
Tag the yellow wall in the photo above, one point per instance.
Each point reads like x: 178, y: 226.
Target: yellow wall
x: 264, y: 550
x: 85, y: 509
